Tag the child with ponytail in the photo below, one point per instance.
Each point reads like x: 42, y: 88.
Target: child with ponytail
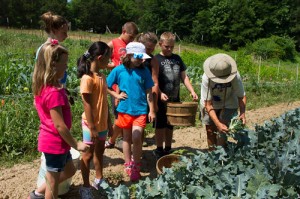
x: 93, y: 89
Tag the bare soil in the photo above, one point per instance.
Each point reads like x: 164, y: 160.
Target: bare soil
x: 18, y: 181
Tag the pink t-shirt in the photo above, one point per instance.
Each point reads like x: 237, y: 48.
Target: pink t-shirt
x: 49, y: 139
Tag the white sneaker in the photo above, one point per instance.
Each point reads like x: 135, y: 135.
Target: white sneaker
x: 97, y: 185
x: 86, y: 193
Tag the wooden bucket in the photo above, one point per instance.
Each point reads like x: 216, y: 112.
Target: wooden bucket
x: 166, y: 161
x: 181, y: 113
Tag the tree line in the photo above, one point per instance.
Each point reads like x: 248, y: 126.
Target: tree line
x: 220, y: 23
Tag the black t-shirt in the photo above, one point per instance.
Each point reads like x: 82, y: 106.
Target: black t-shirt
x: 169, y: 78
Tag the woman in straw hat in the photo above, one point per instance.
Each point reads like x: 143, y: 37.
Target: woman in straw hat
x: 222, y: 93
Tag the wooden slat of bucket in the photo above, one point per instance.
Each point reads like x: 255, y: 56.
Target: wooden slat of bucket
x: 182, y: 104
x: 181, y: 113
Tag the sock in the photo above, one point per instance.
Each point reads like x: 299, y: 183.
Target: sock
x: 37, y: 193
x: 159, y: 148
x: 110, y: 142
x: 167, y: 148
x: 98, y: 181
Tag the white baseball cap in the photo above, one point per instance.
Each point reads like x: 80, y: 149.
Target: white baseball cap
x: 138, y: 49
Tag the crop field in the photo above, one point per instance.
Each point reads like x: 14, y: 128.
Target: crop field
x: 267, y: 167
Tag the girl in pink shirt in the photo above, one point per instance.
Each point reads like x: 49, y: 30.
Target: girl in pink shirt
x: 54, y: 111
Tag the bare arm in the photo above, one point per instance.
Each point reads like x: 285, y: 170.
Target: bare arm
x: 186, y: 81
x: 212, y: 114
x: 87, y: 105
x: 117, y: 95
x: 242, y: 106
x: 151, y: 114
x: 155, y: 88
x: 110, y: 65
x: 59, y: 124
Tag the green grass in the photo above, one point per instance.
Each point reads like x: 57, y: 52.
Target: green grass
x: 18, y: 119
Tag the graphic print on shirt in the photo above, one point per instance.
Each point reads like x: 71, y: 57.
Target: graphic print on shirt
x: 171, y: 71
x: 218, y: 91
x: 122, y: 53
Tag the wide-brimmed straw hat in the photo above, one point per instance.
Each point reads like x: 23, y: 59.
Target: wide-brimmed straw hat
x: 220, y: 68
x: 138, y: 49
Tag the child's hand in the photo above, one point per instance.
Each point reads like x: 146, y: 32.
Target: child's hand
x: 122, y: 95
x: 94, y: 134
x: 195, y: 96
x: 151, y: 116
x: 82, y: 146
x: 243, y: 118
x: 222, y: 128
x: 164, y: 97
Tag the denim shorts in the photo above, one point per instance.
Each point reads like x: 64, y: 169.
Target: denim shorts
x: 57, y: 162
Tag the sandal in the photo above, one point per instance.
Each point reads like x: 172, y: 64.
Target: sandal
x: 109, y: 145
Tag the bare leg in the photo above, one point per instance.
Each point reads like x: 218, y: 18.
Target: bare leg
x: 168, y: 138
x: 127, y: 137
x: 160, y: 137
x: 110, y: 126
x: 86, y: 158
x: 137, y: 132
x: 68, y: 172
x: 211, y: 137
x: 98, y: 158
x: 51, y: 185
x: 117, y: 131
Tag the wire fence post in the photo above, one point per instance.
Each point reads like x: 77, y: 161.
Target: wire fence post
x: 297, y: 73
x: 258, y: 75
x: 107, y: 30
x: 278, y: 70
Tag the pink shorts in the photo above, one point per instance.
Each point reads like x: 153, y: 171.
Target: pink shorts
x: 126, y: 121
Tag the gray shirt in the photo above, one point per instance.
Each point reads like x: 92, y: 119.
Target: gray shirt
x: 216, y: 92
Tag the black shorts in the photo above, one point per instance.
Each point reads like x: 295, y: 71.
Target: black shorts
x: 161, y: 116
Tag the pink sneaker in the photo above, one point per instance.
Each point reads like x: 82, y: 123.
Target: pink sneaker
x: 127, y: 169
x: 135, y: 172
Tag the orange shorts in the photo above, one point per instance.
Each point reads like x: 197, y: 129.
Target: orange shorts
x: 126, y: 121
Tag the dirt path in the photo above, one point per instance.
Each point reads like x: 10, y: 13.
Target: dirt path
x: 18, y: 181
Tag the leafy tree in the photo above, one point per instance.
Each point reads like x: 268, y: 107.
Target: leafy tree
x: 274, y: 47
x: 243, y: 28
x: 222, y: 23
x: 294, y: 25
x: 26, y: 13
x: 273, y: 16
x: 57, y: 6
x: 175, y: 16
x: 95, y: 15
x: 220, y: 18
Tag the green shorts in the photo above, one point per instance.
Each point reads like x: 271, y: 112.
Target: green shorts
x: 224, y: 116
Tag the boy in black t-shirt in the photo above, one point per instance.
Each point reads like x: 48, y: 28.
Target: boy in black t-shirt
x: 171, y: 71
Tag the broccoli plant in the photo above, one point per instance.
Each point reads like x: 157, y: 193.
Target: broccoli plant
x: 238, y: 132
x: 236, y: 125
